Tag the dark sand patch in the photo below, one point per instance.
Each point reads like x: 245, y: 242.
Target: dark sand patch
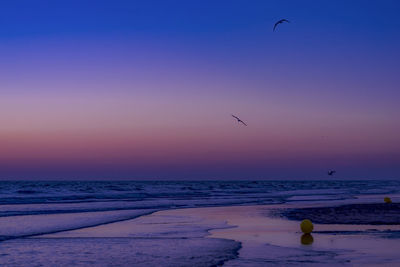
x: 374, y: 214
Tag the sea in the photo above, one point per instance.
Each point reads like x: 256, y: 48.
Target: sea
x: 32, y: 209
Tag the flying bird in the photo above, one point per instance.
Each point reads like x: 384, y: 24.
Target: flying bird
x: 239, y: 120
x: 330, y: 173
x: 280, y: 22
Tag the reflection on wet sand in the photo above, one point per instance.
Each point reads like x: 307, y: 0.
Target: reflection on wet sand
x: 306, y: 239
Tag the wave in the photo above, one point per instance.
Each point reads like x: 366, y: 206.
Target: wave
x: 31, y: 225
x: 32, y: 208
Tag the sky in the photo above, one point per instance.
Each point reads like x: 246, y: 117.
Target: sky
x: 145, y: 89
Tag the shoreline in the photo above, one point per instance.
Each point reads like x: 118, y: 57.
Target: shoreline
x: 331, y: 244
x: 245, y: 235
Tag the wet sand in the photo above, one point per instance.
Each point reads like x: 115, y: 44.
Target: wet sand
x: 277, y: 241
x: 232, y: 236
x: 373, y: 214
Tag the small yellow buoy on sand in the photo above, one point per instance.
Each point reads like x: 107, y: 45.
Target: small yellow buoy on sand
x: 306, y: 226
x: 387, y: 200
x: 307, y: 239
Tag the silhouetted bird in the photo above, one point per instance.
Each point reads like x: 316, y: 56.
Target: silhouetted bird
x: 239, y: 120
x: 279, y: 22
x: 330, y: 173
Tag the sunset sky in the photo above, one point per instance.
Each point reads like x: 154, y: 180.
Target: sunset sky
x: 146, y: 89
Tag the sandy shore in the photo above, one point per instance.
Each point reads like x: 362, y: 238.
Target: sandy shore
x: 271, y: 240
x: 374, y: 214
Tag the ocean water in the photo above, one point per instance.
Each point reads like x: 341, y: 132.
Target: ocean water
x: 30, y: 210
x: 53, y: 206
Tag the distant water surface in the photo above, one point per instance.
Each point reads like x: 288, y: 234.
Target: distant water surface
x: 164, y: 194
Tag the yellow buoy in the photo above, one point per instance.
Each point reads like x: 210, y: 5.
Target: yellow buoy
x: 306, y: 226
x: 387, y: 200
x: 307, y: 239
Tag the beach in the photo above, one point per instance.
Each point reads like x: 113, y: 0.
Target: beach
x: 232, y: 236
x: 199, y: 133
x: 213, y: 232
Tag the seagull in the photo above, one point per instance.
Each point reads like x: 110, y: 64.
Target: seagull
x: 279, y: 22
x: 239, y: 120
x: 330, y: 173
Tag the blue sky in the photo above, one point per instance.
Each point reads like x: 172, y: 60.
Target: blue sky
x: 145, y: 89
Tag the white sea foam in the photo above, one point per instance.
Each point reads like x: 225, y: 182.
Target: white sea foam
x: 29, y: 225
x: 157, y: 240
